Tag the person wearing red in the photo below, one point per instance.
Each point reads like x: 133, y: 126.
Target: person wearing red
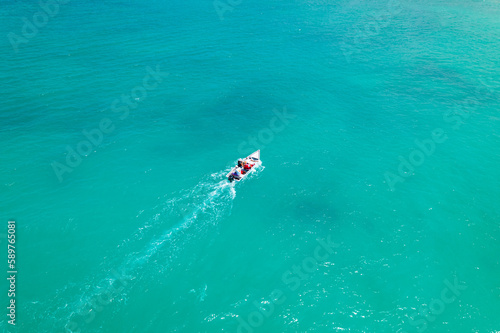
x: 248, y: 166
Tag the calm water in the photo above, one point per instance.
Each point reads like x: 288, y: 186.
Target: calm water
x: 376, y: 209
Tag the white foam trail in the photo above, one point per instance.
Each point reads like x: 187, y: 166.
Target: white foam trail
x: 187, y: 221
x: 212, y: 200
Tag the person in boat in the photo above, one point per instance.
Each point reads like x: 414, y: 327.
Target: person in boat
x: 236, y: 175
x: 240, y: 163
x: 248, y: 166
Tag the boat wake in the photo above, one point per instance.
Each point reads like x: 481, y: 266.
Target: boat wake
x: 209, y: 201
x: 190, y: 216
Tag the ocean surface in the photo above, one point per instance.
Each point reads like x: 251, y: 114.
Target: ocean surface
x: 376, y: 208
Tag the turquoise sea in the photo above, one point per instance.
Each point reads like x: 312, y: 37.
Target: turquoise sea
x: 376, y: 208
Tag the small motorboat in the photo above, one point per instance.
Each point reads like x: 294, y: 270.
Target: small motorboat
x: 244, y: 167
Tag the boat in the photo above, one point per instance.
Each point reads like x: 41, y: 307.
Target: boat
x: 239, y: 171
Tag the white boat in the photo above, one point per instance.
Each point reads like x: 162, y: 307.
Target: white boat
x: 239, y: 172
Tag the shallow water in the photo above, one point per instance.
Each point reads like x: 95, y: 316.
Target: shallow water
x: 379, y: 131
